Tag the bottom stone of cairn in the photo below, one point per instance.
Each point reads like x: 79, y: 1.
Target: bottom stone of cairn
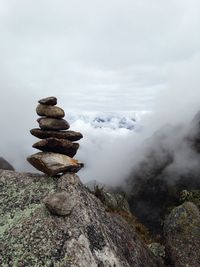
x: 57, y: 144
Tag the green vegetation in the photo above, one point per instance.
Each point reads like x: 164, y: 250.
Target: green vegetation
x: 192, y: 196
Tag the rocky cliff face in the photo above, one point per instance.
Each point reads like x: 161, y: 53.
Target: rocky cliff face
x: 31, y: 234
x: 170, y: 164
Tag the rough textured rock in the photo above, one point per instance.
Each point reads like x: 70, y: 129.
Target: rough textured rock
x: 60, y: 203
x: 182, y: 231
x: 111, y: 200
x: 53, y: 124
x: 5, y: 165
x: 157, y: 249
x: 69, y: 135
x: 31, y: 236
x: 52, y: 101
x: 54, y: 163
x: 62, y: 146
x: 50, y: 111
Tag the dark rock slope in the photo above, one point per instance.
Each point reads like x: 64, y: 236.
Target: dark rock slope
x: 170, y: 164
x: 5, y: 165
x: 30, y: 235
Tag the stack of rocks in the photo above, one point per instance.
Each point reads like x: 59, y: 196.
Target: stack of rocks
x: 57, y: 144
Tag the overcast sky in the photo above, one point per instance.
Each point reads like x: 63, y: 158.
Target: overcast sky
x: 95, y: 55
x: 106, y: 55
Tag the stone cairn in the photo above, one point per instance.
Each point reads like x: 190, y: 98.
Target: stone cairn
x: 57, y: 146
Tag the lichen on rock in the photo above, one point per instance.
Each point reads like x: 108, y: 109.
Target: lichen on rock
x: 89, y: 236
x: 182, y: 233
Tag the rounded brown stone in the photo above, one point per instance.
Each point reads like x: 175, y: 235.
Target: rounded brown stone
x: 50, y: 111
x: 62, y: 146
x: 69, y: 135
x: 52, y: 101
x: 60, y: 204
x: 53, y: 124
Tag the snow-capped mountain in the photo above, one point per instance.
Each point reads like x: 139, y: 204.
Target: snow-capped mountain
x: 114, y: 120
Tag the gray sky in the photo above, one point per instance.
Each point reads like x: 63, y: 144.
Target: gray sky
x: 92, y: 54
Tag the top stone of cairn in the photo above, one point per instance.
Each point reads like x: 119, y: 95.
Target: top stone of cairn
x: 51, y: 101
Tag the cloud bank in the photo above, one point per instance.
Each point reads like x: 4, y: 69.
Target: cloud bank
x: 116, y: 56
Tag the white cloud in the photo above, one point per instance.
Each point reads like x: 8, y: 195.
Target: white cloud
x: 109, y: 45
x: 96, y: 55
